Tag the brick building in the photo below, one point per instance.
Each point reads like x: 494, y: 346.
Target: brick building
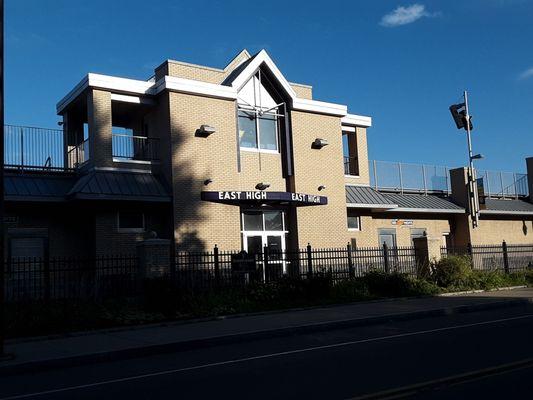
x: 238, y: 157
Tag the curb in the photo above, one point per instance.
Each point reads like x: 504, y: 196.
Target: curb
x: 134, y: 352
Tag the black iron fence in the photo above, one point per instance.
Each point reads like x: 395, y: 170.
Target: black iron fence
x: 232, y: 269
x: 29, y: 278
x: 501, y: 257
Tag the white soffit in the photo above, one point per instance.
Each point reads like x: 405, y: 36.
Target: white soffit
x: 131, y: 99
x: 196, y: 87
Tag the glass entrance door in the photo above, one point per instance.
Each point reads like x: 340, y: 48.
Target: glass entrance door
x: 262, y: 229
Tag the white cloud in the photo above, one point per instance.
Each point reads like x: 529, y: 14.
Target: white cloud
x: 528, y: 73
x: 405, y: 15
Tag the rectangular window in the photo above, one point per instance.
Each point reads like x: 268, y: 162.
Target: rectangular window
x: 247, y: 130
x: 130, y: 221
x: 387, y: 236
x: 354, y: 222
x: 268, y: 135
x: 349, y: 150
x: 258, y: 132
x: 255, y: 220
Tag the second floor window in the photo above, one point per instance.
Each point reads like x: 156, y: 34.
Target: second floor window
x: 349, y: 150
x: 258, y: 131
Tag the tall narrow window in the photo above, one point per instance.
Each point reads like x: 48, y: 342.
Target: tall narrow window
x: 349, y: 150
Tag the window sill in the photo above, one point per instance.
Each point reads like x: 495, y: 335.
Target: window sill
x: 352, y: 176
x: 124, y: 160
x: 354, y: 230
x: 251, y: 150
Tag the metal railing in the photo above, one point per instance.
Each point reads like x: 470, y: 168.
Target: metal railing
x: 32, y: 148
x: 351, y: 166
x: 78, y: 154
x: 135, y: 148
x: 397, y: 176
x: 421, y: 178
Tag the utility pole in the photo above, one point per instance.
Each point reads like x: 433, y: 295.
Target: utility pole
x: 2, y: 239
x: 474, y: 200
x: 461, y: 116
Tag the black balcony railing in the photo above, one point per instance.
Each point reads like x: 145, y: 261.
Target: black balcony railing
x: 33, y: 148
x: 351, y: 166
x: 135, y: 148
x: 78, y: 154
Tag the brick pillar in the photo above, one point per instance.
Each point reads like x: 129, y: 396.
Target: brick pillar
x: 100, y: 128
x: 462, y: 223
x: 154, y: 258
x: 529, y: 165
x: 427, y: 251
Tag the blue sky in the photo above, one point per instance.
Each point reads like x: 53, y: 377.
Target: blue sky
x: 402, y: 62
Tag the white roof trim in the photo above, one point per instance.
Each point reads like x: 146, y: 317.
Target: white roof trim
x: 428, y: 210
x: 196, y: 87
x: 260, y: 58
x: 105, y: 82
x: 357, y: 120
x: 364, y: 205
x: 497, y: 212
x: 319, y: 107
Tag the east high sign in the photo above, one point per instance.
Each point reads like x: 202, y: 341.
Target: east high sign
x: 262, y: 196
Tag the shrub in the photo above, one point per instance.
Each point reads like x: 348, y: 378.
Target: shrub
x: 396, y: 284
x: 452, y: 271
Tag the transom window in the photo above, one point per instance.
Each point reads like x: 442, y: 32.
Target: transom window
x: 258, y: 220
x: 354, y: 222
x: 130, y: 221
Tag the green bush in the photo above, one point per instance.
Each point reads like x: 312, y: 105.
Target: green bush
x: 453, y: 271
x: 381, y: 284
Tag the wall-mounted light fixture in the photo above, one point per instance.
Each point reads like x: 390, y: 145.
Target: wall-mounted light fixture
x: 60, y: 123
x: 205, y: 130
x: 321, y: 187
x: 208, y: 181
x: 319, y: 143
x: 262, y: 186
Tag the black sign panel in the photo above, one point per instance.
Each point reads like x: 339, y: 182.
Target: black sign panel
x: 260, y: 197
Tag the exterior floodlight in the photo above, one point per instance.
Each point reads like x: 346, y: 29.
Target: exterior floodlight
x: 459, y: 115
x: 478, y: 157
x: 205, y: 130
x: 319, y: 143
x: 60, y: 123
x: 321, y: 187
x: 262, y: 186
x: 208, y: 181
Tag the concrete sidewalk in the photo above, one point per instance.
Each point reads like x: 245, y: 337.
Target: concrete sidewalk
x: 35, y: 354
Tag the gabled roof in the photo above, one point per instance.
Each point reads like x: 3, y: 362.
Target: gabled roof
x: 111, y: 185
x: 511, y: 207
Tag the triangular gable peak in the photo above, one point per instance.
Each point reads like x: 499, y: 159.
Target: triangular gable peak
x: 261, y: 60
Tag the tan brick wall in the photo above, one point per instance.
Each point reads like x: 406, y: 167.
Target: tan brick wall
x: 195, y: 159
x: 100, y: 128
x: 494, y: 231
x: 368, y: 235
x: 322, y: 226
x: 303, y: 91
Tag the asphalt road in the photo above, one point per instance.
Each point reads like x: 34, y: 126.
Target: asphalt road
x: 337, y: 364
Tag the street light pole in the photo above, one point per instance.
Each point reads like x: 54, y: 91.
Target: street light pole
x: 474, y: 200
x: 2, y: 239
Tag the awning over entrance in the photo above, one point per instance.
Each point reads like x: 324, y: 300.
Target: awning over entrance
x: 261, y: 197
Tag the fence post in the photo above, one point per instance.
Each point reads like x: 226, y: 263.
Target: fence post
x: 217, y: 266
x: 309, y: 261
x: 46, y: 271
x: 386, y: 257
x: 266, y: 272
x: 505, y: 257
x: 350, y: 261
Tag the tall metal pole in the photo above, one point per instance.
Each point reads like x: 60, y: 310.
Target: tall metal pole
x: 471, y: 180
x: 2, y: 263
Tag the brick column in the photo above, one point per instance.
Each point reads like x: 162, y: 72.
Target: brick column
x: 427, y: 250
x: 154, y: 258
x: 100, y: 128
x: 529, y: 165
